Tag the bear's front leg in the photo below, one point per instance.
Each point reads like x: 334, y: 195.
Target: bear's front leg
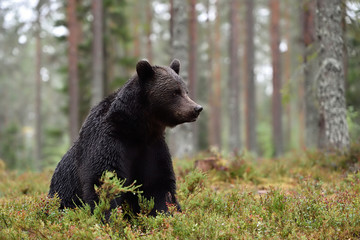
x: 89, y: 195
x: 162, y: 199
x: 171, y: 199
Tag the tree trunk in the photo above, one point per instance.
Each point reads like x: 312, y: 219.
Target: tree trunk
x: 346, y: 55
x: 181, y: 137
x: 98, y: 53
x: 148, y: 25
x: 136, y: 29
x: 73, y: 27
x: 287, y: 75
x: 209, y: 74
x: 234, y: 80
x: 310, y: 100
x: 215, y: 115
x: 250, y: 103
x: 330, y: 77
x: 171, y: 23
x: 276, y: 62
x: 192, y: 49
x: 193, y: 62
x: 38, y: 127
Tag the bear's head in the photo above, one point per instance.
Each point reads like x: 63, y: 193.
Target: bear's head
x: 167, y: 94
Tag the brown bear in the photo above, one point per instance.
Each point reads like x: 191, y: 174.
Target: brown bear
x: 125, y: 133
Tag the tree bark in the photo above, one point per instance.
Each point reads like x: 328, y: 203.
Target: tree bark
x: 250, y: 100
x: 171, y: 23
x: 310, y: 100
x: 209, y: 74
x: 149, y: 16
x: 98, y: 53
x: 234, y: 80
x: 276, y: 65
x: 73, y: 37
x: 181, y: 137
x: 193, y: 62
x: 38, y: 90
x: 215, y: 115
x: 136, y: 29
x: 330, y: 77
x: 287, y: 75
x: 192, y: 49
x: 346, y: 55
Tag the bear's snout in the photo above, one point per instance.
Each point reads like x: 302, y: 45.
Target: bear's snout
x: 198, y: 109
x: 196, y: 112
x: 194, y: 109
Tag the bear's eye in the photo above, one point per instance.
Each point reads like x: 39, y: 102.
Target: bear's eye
x: 177, y: 92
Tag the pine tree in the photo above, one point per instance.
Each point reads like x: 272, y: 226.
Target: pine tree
x: 276, y: 77
x: 215, y: 100
x: 181, y: 137
x: 250, y: 100
x: 73, y: 40
x: 333, y: 124
x: 98, y: 53
x: 234, y: 79
x: 310, y: 100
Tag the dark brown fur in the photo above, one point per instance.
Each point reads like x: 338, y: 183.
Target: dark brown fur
x: 125, y: 133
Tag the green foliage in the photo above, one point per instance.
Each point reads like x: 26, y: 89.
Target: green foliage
x: 146, y: 205
x: 11, y: 138
x: 266, y: 146
x: 307, y: 195
x: 55, y: 146
x: 116, y: 37
x: 193, y: 182
x: 286, y: 93
x: 352, y: 77
x: 111, y: 188
x: 353, y: 123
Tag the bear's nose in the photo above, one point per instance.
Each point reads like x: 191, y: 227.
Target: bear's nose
x: 198, y: 108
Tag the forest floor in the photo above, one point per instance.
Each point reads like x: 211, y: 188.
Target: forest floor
x: 308, y: 195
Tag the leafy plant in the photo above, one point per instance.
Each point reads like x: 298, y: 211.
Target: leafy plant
x: 111, y: 188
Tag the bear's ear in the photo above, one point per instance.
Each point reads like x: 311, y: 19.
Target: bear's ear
x: 144, y: 69
x: 175, y: 65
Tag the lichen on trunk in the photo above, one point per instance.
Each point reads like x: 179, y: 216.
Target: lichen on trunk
x: 330, y: 76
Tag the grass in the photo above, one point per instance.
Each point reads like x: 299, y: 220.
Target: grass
x: 306, y: 195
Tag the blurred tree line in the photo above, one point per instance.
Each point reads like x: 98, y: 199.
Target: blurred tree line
x: 257, y: 67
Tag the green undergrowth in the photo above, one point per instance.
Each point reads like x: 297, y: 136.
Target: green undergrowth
x: 306, y: 195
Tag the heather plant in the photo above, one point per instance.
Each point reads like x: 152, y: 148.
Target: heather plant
x: 111, y: 188
x: 299, y: 196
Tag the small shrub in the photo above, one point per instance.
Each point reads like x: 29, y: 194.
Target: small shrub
x: 194, y: 181
x: 300, y: 196
x: 111, y: 188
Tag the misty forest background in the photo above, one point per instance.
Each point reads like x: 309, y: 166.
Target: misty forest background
x: 267, y: 72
